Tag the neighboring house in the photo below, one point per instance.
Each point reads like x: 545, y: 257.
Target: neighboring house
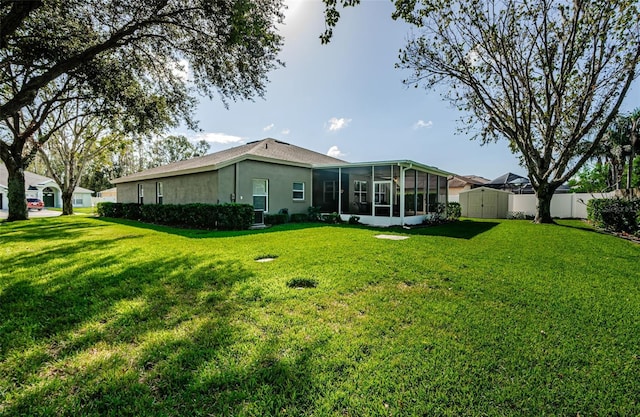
x: 44, y: 188
x: 509, y: 182
x: 4, y: 201
x: 272, y: 176
x: 460, y: 183
x: 519, y: 185
x: 109, y: 195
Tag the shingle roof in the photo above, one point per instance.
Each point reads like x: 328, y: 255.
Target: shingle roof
x: 459, y: 181
x: 266, y: 149
x: 33, y: 179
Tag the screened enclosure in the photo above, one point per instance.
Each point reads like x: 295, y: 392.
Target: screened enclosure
x: 381, y: 193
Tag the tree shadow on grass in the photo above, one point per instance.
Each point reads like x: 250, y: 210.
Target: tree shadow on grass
x: 164, y: 336
x: 46, y: 228
x: 464, y: 229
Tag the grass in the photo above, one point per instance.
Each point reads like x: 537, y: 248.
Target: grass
x: 500, y: 318
x: 77, y: 210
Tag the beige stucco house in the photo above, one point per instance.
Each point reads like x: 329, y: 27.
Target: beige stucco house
x: 273, y: 175
x: 460, y: 183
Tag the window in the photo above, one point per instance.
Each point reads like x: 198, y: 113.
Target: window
x: 298, y: 190
x: 329, y: 191
x: 382, y: 193
x: 159, y: 192
x: 78, y: 201
x: 261, y: 195
x: 140, y: 194
x: 360, y: 191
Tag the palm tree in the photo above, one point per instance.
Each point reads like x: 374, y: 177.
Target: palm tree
x: 633, y: 125
x: 612, y: 149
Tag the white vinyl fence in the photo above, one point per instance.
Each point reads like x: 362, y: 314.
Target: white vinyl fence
x: 570, y: 205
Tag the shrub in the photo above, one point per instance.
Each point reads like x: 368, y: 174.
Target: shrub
x: 131, y: 211
x: 195, y: 216
x: 354, y: 220
x: 454, y: 210
x: 332, y: 218
x: 299, y: 218
x: 519, y: 215
x: 614, y: 214
x: 273, y: 219
x: 107, y: 209
x: 314, y: 214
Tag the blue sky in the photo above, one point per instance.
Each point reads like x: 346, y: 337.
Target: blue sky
x: 348, y: 99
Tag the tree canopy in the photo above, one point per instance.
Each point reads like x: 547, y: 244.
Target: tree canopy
x: 174, y: 148
x: 547, y: 76
x: 145, y: 60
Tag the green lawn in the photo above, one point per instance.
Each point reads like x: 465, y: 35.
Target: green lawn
x: 77, y: 210
x: 475, y: 318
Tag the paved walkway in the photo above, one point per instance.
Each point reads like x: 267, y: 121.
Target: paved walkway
x: 33, y: 213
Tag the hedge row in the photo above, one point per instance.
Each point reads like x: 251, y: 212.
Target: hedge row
x: 193, y: 216
x: 614, y: 214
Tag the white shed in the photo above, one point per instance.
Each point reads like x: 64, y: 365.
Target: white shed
x: 485, y: 203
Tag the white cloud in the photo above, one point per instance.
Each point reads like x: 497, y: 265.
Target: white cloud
x: 268, y: 128
x: 221, y: 138
x: 336, y: 124
x: 286, y: 131
x: 421, y: 123
x: 335, y: 152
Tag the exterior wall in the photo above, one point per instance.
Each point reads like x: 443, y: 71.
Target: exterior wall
x: 281, y: 179
x: 227, y: 186
x: 183, y: 189
x: 455, y: 191
x: 85, y: 197
x: 229, y: 182
x: 571, y: 205
x: 127, y: 192
x: 109, y: 195
x: 4, y: 201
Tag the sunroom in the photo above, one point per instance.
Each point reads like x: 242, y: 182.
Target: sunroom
x: 389, y: 193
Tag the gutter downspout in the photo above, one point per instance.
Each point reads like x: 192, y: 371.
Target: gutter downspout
x: 236, y: 188
x: 339, y: 191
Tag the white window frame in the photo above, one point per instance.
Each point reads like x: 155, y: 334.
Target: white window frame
x: 359, y: 194
x: 298, y: 191
x: 258, y: 194
x: 78, y: 201
x: 159, y: 192
x: 140, y: 194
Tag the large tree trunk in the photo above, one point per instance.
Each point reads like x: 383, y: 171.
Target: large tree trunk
x: 67, y: 202
x: 17, y: 194
x: 544, y: 192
